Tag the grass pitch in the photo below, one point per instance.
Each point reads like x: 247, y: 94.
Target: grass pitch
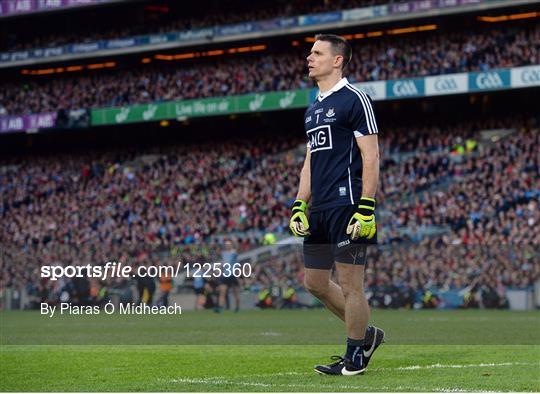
x: 267, y: 351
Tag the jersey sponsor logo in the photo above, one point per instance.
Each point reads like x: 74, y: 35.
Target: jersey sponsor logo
x: 308, y: 119
x: 318, y: 111
x: 320, y: 138
x: 489, y: 81
x: 330, y: 113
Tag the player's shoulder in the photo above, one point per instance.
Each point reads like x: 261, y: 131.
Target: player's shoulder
x: 356, y: 95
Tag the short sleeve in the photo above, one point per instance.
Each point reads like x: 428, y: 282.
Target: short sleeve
x: 361, y: 116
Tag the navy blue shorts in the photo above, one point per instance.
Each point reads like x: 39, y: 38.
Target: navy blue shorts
x: 329, y: 241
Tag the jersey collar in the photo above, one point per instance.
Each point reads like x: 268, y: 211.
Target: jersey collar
x: 342, y: 82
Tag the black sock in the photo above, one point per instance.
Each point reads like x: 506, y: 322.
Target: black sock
x: 354, y: 351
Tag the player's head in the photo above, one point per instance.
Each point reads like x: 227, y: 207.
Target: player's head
x: 330, y: 54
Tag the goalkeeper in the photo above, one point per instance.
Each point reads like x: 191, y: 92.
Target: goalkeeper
x: 339, y: 179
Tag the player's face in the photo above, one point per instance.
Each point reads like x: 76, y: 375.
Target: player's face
x: 321, y: 60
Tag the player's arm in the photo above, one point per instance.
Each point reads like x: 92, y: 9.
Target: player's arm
x: 299, y: 223
x: 369, y: 149
x: 362, y: 223
x: 304, y: 189
x: 362, y: 118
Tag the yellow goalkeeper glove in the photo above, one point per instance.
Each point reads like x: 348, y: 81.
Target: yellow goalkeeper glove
x: 299, y: 223
x: 362, y: 223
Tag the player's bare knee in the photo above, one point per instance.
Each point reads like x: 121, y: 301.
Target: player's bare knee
x: 352, y: 290
x: 318, y: 288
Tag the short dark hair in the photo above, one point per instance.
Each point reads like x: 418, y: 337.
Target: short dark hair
x: 340, y: 46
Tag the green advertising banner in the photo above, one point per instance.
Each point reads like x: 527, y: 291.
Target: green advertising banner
x: 134, y: 113
x: 518, y: 77
x: 201, y: 107
x: 273, y: 101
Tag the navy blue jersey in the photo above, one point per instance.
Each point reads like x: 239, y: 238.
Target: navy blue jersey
x: 332, y: 124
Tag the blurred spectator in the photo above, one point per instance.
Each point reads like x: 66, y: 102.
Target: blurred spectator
x: 165, y: 286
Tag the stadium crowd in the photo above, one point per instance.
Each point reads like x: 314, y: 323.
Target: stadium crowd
x: 492, y: 197
x: 146, y: 207
x: 245, y: 186
x: 202, y: 15
x: 426, y: 53
x: 423, y: 275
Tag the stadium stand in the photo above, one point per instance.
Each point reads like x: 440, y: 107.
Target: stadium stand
x: 458, y: 213
x: 147, y: 206
x: 149, y: 194
x: 147, y: 18
x: 427, y: 53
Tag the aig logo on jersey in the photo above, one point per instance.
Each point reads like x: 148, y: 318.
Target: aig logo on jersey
x: 320, y: 138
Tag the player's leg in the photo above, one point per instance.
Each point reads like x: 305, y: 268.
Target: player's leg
x: 362, y: 339
x: 357, y: 311
x: 318, y: 283
x: 350, y: 257
x: 318, y: 261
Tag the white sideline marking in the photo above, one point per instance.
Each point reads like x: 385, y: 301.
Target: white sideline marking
x: 221, y: 381
x: 270, y: 334
x: 218, y: 381
x: 406, y: 368
x: 457, y: 366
